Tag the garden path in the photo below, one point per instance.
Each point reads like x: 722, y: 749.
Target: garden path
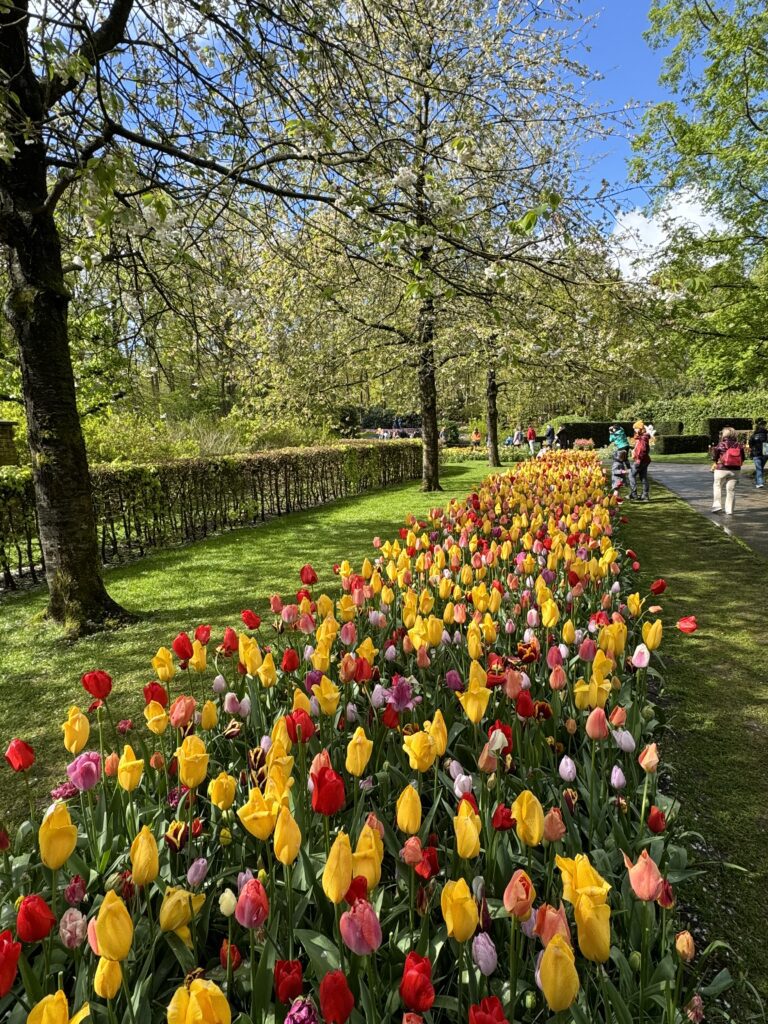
x: 693, y: 483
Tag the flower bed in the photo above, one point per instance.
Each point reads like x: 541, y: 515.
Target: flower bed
x: 432, y: 797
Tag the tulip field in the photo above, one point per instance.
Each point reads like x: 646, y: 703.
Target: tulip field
x: 434, y: 798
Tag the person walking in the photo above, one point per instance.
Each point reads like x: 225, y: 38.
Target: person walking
x: 758, y: 449
x: 531, y: 438
x: 641, y: 460
x: 517, y: 438
x: 727, y: 459
x: 549, y: 435
x: 476, y: 438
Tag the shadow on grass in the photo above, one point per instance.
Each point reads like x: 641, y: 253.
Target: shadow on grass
x: 717, y: 688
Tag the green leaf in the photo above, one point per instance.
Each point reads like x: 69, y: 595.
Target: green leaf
x: 322, y: 952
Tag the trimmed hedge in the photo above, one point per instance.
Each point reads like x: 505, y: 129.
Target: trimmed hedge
x: 679, y: 444
x: 716, y: 423
x: 140, y: 508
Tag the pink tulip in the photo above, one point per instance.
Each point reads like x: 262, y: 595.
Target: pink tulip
x: 412, y: 853
x: 360, y: 928
x: 422, y: 658
x: 72, y: 928
x: 597, y: 725
x: 348, y: 634
x: 276, y: 604
x: 641, y: 657
x: 289, y: 613
x: 252, y: 908
x: 644, y: 877
x: 85, y: 771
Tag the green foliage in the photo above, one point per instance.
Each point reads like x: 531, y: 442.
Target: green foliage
x: 507, y: 455
x: 678, y: 444
x: 694, y: 410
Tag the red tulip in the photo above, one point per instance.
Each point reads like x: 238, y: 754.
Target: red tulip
x: 658, y: 587
x: 487, y: 1011
x: 290, y: 660
x: 9, y: 959
x: 34, y: 919
x: 98, y: 684
x: 156, y: 692
x: 299, y: 720
x: 203, y: 634
x: 506, y: 731
x: 687, y: 624
x: 502, y: 820
x: 336, y: 999
x: 416, y: 989
x: 251, y: 619
x: 429, y: 865
x: 524, y: 705
x: 19, y: 755
x: 358, y: 890
x: 230, y: 952
x: 230, y: 643
x: 307, y: 575
x: 182, y: 647
x: 289, y: 980
x: 657, y: 821
x: 328, y: 795
x: 390, y: 718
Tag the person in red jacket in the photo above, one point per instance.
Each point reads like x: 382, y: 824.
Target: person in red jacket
x: 531, y: 438
x: 641, y: 460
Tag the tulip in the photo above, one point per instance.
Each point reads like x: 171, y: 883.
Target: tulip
x: 559, y: 979
x: 76, y: 730
x: 618, y: 780
x: 567, y: 769
x: 193, y: 760
x: 287, y: 837
x: 108, y: 978
x: 466, y: 826
x: 182, y: 711
x: 163, y: 665
x: 360, y: 928
x: 368, y: 856
x: 72, y: 929
x: 288, y: 980
x: 474, y: 700
x: 336, y: 999
x: 177, y: 911
x: 328, y: 794
x: 550, y: 922
x: 97, y: 683
x: 202, y: 1002
x: 644, y: 877
x: 57, y: 836
x: 416, y: 989
x: 409, y: 811
x: 145, y: 861
x: 641, y: 657
x: 328, y: 695
x: 359, y: 750
x: 19, y: 755
x: 129, y: 769
x: 221, y: 791
x: 437, y: 732
x: 156, y: 718
x: 114, y: 928
x: 459, y: 910
x: 597, y: 725
x: 209, y: 716
x: 685, y: 946
x: 421, y: 751
x: 649, y: 759
x: 10, y: 952
x: 484, y: 953
x: 227, y: 903
x: 529, y: 816
x: 652, y: 632
x: 594, y: 928
x: 34, y: 919
x: 55, y: 1010
x: 337, y: 874
x: 687, y: 624
x: 554, y: 826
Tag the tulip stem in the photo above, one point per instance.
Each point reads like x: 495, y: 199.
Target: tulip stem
x: 411, y: 880
x: 512, y: 965
x: 592, y: 794
x: 131, y: 1016
x: 645, y: 801
x: 252, y: 936
x: 289, y: 897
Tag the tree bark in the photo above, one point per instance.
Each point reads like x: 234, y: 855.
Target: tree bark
x: 37, y: 308
x: 492, y: 417
x: 430, y: 448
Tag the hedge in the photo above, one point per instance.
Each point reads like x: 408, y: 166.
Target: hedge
x: 468, y: 454
x: 140, y: 508
x: 596, y: 429
x: 678, y: 444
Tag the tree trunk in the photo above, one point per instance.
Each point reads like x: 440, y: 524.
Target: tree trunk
x: 430, y: 448
x: 492, y: 417
x: 37, y: 311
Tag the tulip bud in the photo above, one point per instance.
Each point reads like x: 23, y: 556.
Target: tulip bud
x: 685, y: 946
x: 530, y: 1000
x: 227, y: 903
x: 618, y: 781
x: 635, y: 960
x: 567, y: 769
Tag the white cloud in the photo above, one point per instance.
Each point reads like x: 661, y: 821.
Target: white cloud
x: 637, y: 239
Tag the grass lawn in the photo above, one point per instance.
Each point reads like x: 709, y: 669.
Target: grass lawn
x: 211, y: 581
x: 717, y: 694
x: 699, y: 458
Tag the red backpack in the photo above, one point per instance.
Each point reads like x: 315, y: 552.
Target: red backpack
x: 732, y: 458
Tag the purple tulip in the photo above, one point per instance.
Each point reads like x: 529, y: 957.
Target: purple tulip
x: 567, y: 769
x: 231, y: 704
x: 219, y: 684
x: 618, y: 780
x: 85, y: 771
x: 390, y: 654
x: 453, y: 680
x: 198, y: 869
x: 624, y: 740
x: 484, y: 953
x: 302, y: 1011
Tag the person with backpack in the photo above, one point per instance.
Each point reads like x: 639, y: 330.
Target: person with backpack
x: 727, y: 459
x: 641, y: 460
x: 758, y: 449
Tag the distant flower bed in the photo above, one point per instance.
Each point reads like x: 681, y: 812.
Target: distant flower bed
x: 431, y: 797
x: 584, y: 444
x: 469, y: 454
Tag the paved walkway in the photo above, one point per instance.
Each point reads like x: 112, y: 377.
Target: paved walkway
x: 693, y: 483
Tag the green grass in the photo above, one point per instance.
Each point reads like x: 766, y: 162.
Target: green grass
x: 211, y: 581
x: 717, y: 693
x: 686, y: 457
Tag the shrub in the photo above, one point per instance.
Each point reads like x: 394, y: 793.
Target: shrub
x: 678, y: 444
x: 507, y: 455
x: 584, y: 444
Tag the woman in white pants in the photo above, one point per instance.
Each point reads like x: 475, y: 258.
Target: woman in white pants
x: 727, y: 456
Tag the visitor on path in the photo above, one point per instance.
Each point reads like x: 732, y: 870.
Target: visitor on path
x: 758, y: 449
x: 562, y: 438
x: 641, y: 460
x: 617, y: 437
x: 549, y: 435
x: 620, y: 467
x: 476, y: 438
x: 517, y: 438
x: 727, y: 458
x: 531, y: 438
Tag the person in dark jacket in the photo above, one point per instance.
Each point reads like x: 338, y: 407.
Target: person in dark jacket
x: 758, y: 449
x: 641, y: 460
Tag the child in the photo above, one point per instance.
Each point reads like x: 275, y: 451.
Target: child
x: 619, y: 468
x: 617, y: 437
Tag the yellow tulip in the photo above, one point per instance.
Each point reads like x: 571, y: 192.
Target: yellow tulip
x: 202, y: 1002
x: 550, y: 614
x: 652, y: 634
x: 114, y: 928
x: 209, y: 716
x: 259, y: 815
x: 569, y: 632
x: 474, y: 700
x: 421, y: 751
x: 287, y: 837
x: 478, y: 677
x: 145, y: 861
x: 108, y: 978
x: 221, y: 791
x: 192, y: 758
x: 346, y: 608
x: 177, y: 910
x: 437, y: 732
x: 156, y: 717
x: 367, y: 650
x: 57, y: 836
x: 368, y: 856
x: 459, y: 910
x: 559, y: 979
x: 593, y: 921
x: 163, y: 665
x: 267, y: 672
x: 199, y: 659
x: 409, y: 811
x: 529, y: 815
x: 301, y: 701
x: 249, y: 653
x: 76, y: 730
x: 337, y: 874
x: 129, y: 769
x: 474, y: 643
x: 635, y: 605
x: 328, y: 695
x: 580, y: 879
x: 466, y: 826
x: 55, y: 1010
x: 434, y: 630
x: 359, y: 750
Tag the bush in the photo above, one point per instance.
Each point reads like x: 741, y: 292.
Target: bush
x: 678, y: 444
x: 584, y: 444
x: 140, y: 507
x: 596, y: 430
x: 452, y: 434
x: 507, y: 455
x: 693, y: 411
